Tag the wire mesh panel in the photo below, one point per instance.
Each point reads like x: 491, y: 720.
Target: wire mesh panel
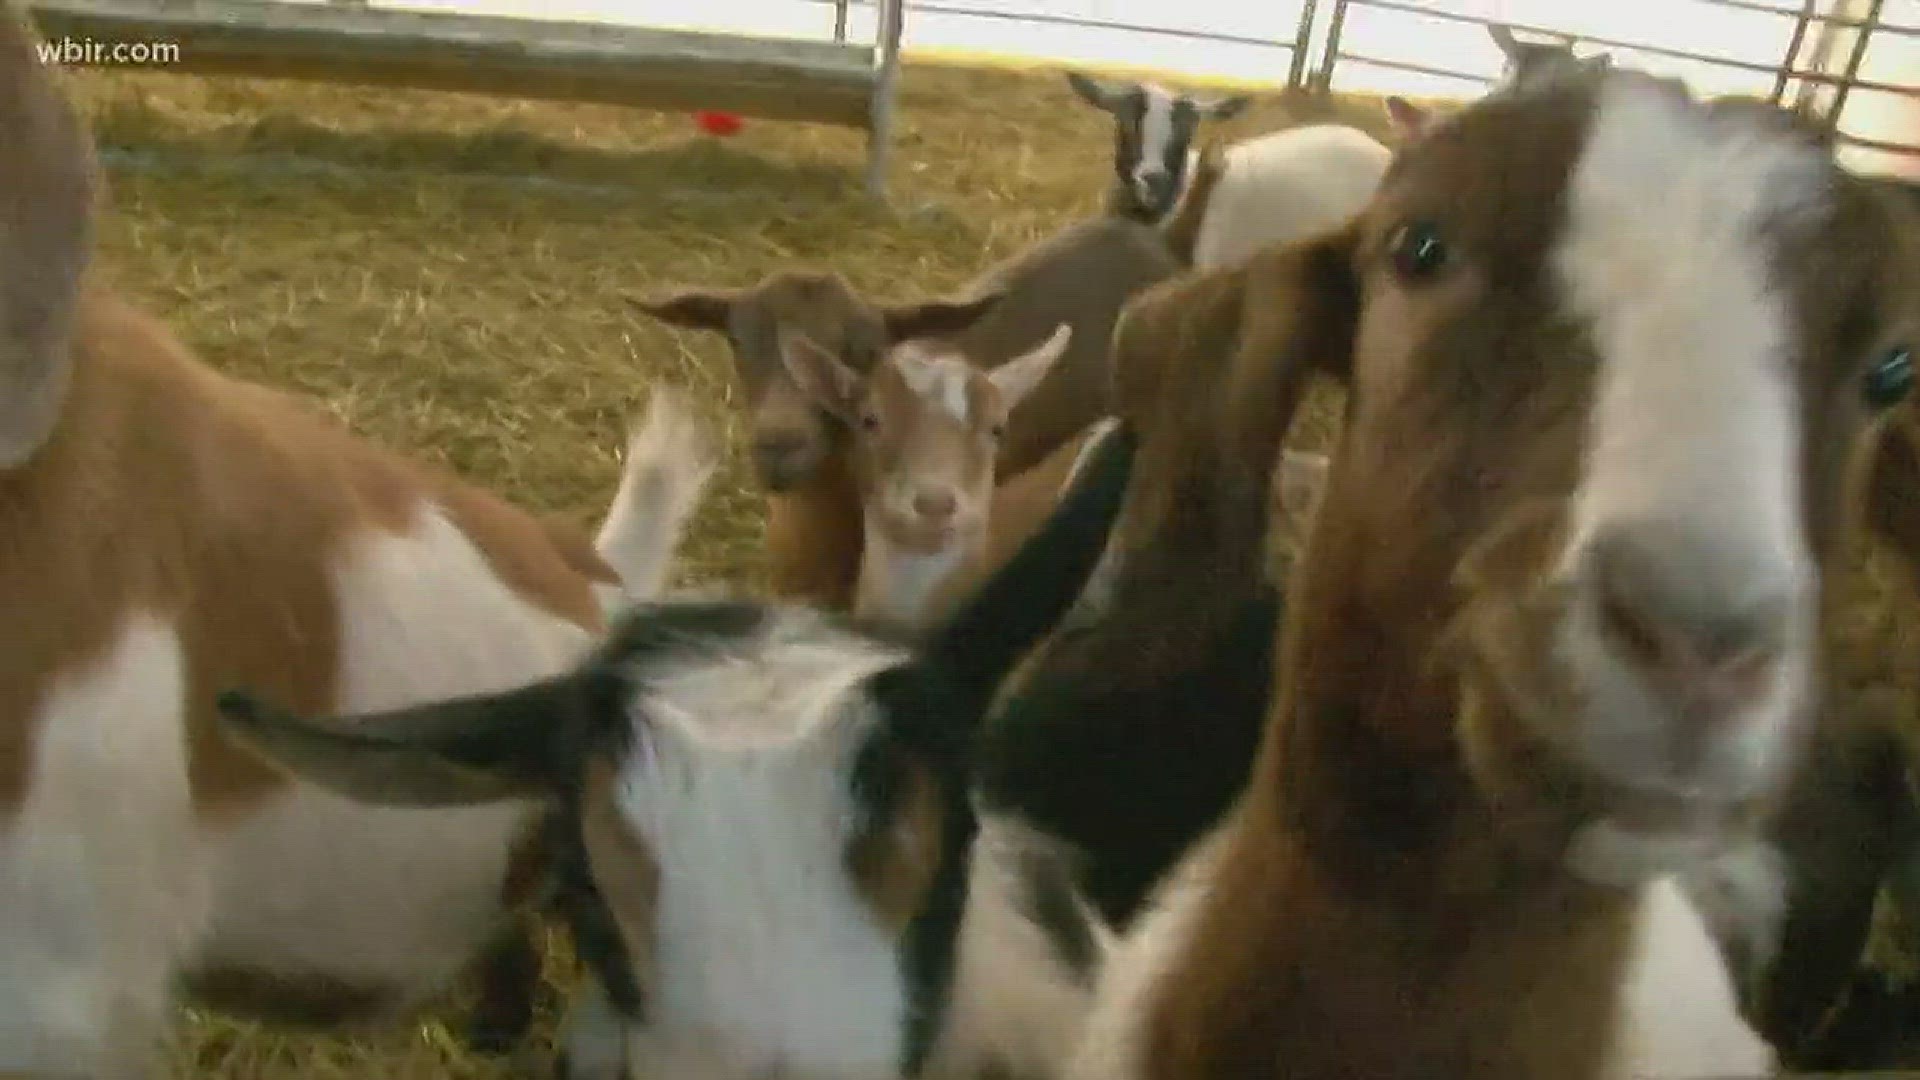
x: 1853, y: 63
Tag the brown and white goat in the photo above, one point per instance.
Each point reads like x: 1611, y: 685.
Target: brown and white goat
x: 166, y: 531
x: 766, y: 810
x: 813, y: 511
x: 936, y: 518
x: 1553, y: 640
x: 1081, y: 276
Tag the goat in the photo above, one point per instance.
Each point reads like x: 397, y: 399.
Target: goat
x: 1080, y: 276
x: 1542, y: 653
x: 1153, y: 135
x: 1267, y: 190
x: 813, y: 511
x: 1524, y: 61
x: 166, y: 530
x: 766, y: 804
x: 926, y: 428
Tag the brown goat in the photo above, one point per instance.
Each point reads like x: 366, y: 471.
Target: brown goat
x: 1553, y: 638
x: 1081, y: 276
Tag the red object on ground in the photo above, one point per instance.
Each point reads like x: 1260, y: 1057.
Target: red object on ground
x: 718, y: 123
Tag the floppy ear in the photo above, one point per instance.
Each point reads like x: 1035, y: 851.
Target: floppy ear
x: 1018, y: 377
x: 1213, y: 365
x: 1222, y: 108
x: 934, y: 317
x: 821, y: 376
x: 1096, y: 92
x: 696, y: 309
x: 482, y: 748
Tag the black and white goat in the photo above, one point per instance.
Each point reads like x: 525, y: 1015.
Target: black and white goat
x: 1270, y: 189
x: 761, y: 818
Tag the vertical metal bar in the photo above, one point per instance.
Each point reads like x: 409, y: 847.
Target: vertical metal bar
x: 885, y: 87
x: 1302, y: 41
x: 1332, y: 54
x: 1793, y: 50
x: 1862, y: 35
x: 840, y: 20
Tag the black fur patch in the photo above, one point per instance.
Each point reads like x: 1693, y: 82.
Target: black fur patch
x: 577, y: 903
x: 1051, y: 898
x: 1128, y: 772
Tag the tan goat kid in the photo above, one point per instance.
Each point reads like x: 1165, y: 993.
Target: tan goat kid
x: 166, y: 532
x: 926, y: 429
x: 1554, y: 639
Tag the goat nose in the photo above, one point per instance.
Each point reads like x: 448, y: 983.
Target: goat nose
x: 935, y: 505
x: 1705, y: 623
x: 778, y: 453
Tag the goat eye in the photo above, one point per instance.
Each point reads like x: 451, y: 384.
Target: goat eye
x: 869, y: 422
x: 1417, y: 250
x: 997, y: 432
x: 1890, y: 378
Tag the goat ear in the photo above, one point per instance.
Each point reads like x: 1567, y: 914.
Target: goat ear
x: 1510, y: 47
x: 1018, y: 377
x: 820, y: 375
x: 933, y: 317
x: 477, y: 749
x: 1096, y: 92
x: 1408, y: 120
x: 48, y: 182
x: 1222, y: 108
x: 1215, y: 363
x: 696, y: 309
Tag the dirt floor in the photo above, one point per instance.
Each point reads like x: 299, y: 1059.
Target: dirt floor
x: 452, y: 275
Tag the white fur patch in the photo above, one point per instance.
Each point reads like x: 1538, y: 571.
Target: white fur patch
x: 939, y: 378
x: 1157, y: 133
x: 1280, y: 187
x: 1110, y: 1040
x: 313, y: 883
x: 102, y: 880
x: 767, y: 957
x: 1014, y: 1006
x: 670, y: 458
x: 1695, y: 423
x: 1681, y: 1019
x: 899, y: 586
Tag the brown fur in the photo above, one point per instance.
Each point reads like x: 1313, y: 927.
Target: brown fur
x: 172, y: 489
x: 813, y: 529
x: 894, y: 862
x: 1081, y: 276
x: 624, y: 869
x: 1397, y: 865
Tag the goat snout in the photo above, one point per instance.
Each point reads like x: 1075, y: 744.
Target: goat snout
x: 1154, y: 186
x: 935, y: 506
x: 782, y: 458
x: 1710, y: 640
